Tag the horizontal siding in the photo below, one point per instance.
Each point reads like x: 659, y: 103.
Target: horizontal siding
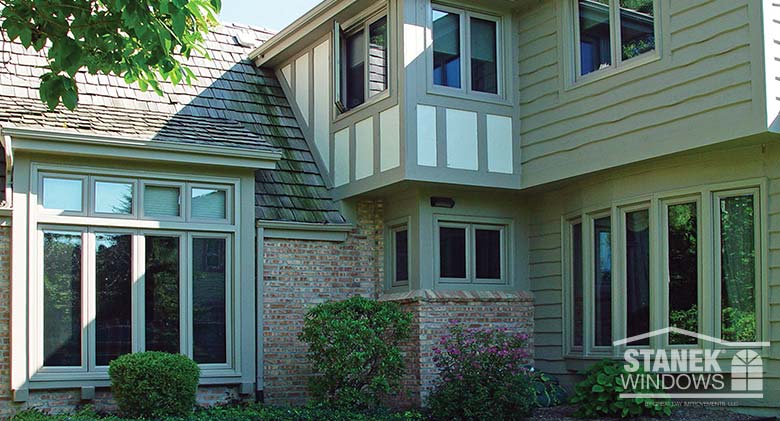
x: 704, y: 75
x: 772, y: 60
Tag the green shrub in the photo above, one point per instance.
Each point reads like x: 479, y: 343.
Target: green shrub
x: 598, y: 395
x: 482, y: 376
x: 547, y: 388
x: 154, y: 384
x: 354, y: 347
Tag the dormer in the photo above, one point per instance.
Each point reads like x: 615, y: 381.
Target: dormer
x: 403, y: 90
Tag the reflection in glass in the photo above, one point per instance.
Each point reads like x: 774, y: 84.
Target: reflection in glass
x: 62, y: 194
x: 162, y: 201
x: 683, y: 271
x: 576, y: 278
x: 112, y: 197
x: 488, y: 253
x: 162, y: 294
x: 401, y: 255
x: 61, y: 299
x: 602, y: 236
x: 638, y: 274
x: 637, y: 27
x: 452, y: 251
x: 355, y: 69
x: 208, y: 203
x: 484, y: 52
x: 113, y: 284
x: 209, y: 323
x: 377, y: 57
x: 446, y: 49
x: 595, y: 41
x: 738, y: 268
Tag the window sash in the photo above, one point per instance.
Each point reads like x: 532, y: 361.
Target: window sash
x: 89, y: 367
x: 470, y: 253
x: 341, y: 54
x: 616, y: 42
x: 394, y: 282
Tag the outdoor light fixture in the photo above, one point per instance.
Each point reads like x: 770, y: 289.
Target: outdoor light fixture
x: 442, y: 202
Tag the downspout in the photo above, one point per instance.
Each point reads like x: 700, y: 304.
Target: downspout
x: 259, y: 364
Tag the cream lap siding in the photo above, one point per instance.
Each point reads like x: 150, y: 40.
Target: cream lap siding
x: 703, y: 79
x: 772, y: 61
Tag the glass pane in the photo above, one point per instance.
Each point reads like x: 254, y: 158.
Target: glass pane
x: 488, y: 253
x: 602, y: 236
x: 377, y: 57
x: 111, y: 197
x: 162, y: 201
x: 452, y: 250
x: 446, y: 49
x: 209, y: 323
x: 62, y: 194
x: 637, y: 27
x: 401, y: 256
x: 595, y: 42
x: 162, y: 294
x: 683, y: 271
x: 113, y: 282
x: 576, y: 278
x: 738, y: 268
x: 61, y: 299
x: 484, y: 63
x: 355, y: 69
x: 638, y: 274
x: 208, y: 203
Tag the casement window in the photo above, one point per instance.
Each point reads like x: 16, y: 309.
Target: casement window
x: 685, y: 283
x: 466, y: 50
x: 471, y: 253
x: 610, y: 33
x: 399, y: 257
x: 361, y: 60
x: 109, y: 280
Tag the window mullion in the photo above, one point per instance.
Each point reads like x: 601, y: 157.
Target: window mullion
x: 709, y: 315
x: 614, y: 29
x: 186, y: 295
x: 89, y: 299
x: 138, y: 293
x: 465, y: 52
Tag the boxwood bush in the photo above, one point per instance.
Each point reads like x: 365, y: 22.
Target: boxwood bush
x: 354, y: 348
x: 154, y: 384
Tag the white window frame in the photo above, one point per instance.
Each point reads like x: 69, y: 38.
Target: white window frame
x: 706, y: 198
x: 617, y: 62
x: 466, y: 89
x: 470, y: 225
x: 359, y: 23
x: 88, y: 223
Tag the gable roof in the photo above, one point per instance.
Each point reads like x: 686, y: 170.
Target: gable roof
x: 233, y: 103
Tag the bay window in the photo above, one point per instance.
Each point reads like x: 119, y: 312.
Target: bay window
x: 685, y: 284
x: 466, y: 50
x: 116, y: 277
x: 610, y: 33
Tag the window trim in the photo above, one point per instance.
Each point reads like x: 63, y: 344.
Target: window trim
x: 576, y: 78
x: 465, y: 91
x: 568, y: 223
x: 657, y: 203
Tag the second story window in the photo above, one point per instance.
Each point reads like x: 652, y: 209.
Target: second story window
x: 363, y: 67
x: 610, y: 32
x: 465, y: 50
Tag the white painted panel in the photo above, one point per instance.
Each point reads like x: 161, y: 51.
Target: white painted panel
x: 302, y: 86
x: 341, y: 158
x: 390, y: 139
x: 499, y: 144
x: 414, y: 43
x: 322, y: 100
x: 426, y: 135
x: 462, y: 140
x: 287, y: 74
x: 364, y: 148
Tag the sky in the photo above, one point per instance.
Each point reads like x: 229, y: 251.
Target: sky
x: 269, y: 14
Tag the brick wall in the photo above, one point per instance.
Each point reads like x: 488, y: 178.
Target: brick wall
x: 433, y: 311
x: 299, y: 274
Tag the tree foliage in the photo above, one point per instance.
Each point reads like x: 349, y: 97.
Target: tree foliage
x: 142, y: 41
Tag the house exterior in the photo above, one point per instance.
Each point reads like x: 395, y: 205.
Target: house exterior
x: 580, y: 170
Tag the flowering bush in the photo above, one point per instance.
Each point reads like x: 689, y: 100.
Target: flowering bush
x: 482, y: 375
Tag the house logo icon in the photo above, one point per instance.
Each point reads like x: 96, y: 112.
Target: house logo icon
x: 713, y: 369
